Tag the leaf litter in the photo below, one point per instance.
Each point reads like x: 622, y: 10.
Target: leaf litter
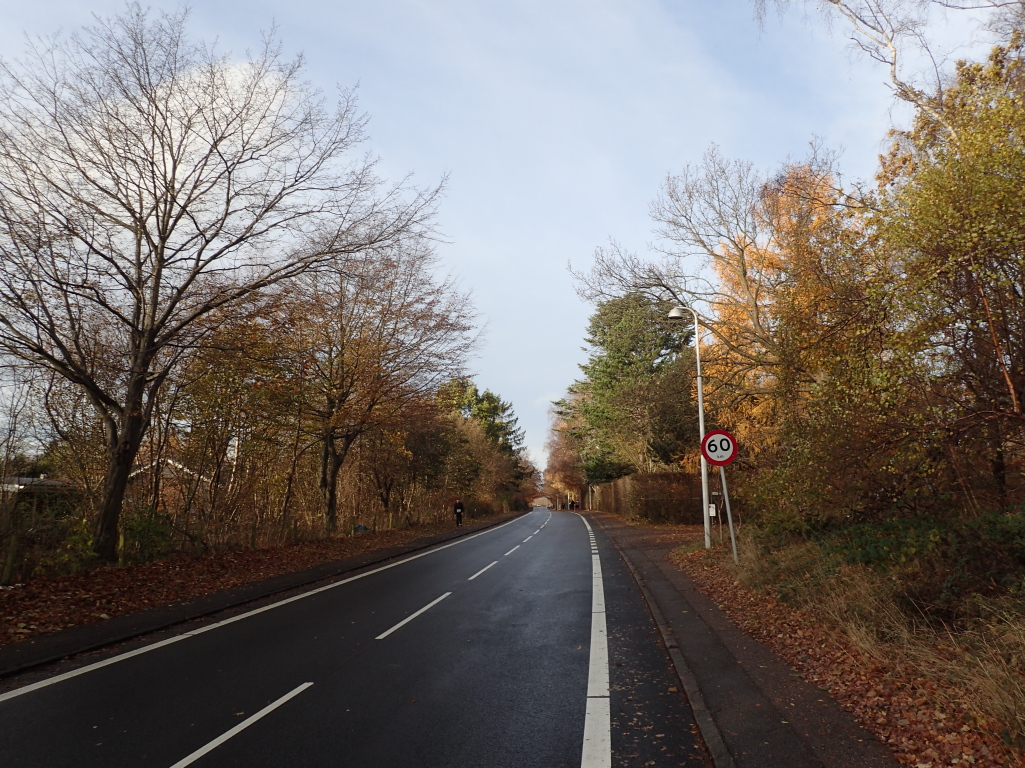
x: 906, y: 712
x: 50, y: 604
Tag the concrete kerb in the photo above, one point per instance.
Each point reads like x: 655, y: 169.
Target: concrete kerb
x: 706, y: 724
x: 20, y: 657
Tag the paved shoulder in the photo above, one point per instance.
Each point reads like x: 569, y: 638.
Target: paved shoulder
x: 652, y: 722
x: 764, y: 715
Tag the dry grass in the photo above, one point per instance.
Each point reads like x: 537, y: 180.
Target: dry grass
x: 906, y: 709
x: 987, y: 664
x: 981, y: 664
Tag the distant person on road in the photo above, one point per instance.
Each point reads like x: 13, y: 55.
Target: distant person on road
x: 457, y: 510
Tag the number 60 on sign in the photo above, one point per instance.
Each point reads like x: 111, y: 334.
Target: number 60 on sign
x: 719, y: 447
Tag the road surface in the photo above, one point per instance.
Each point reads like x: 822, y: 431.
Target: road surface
x: 526, y: 644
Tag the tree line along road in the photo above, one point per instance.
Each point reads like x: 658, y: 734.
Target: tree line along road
x: 527, y: 644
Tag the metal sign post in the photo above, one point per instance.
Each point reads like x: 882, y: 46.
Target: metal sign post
x: 729, y: 513
x: 720, y: 448
x: 676, y: 313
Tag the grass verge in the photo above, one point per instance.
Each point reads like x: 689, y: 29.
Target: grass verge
x: 937, y: 693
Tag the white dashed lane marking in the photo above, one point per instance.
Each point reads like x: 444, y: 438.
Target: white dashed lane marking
x: 240, y: 727
x: 478, y: 573
x: 412, y: 616
x: 256, y: 611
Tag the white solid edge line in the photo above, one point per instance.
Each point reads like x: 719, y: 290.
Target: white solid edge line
x: 240, y: 727
x: 478, y: 573
x: 598, y: 668
x: 597, y: 746
x: 413, y: 616
x: 167, y: 641
x: 511, y: 551
x: 598, y: 603
x: 597, y: 751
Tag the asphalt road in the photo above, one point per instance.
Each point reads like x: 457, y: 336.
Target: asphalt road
x: 525, y: 645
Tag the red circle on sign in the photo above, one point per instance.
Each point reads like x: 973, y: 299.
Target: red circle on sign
x: 719, y: 447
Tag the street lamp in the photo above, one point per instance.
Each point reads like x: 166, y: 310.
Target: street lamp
x: 678, y: 313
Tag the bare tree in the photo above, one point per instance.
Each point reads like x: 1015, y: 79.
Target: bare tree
x: 710, y: 211
x: 384, y: 333
x: 763, y: 245
x: 146, y: 181
x: 887, y: 30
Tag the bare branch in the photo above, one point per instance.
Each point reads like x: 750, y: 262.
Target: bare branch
x: 147, y: 182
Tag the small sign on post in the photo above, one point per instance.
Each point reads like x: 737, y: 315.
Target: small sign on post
x: 719, y: 447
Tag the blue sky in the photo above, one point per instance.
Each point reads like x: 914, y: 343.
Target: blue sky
x: 556, y: 121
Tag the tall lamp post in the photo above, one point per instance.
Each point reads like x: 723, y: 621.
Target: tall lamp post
x: 678, y: 313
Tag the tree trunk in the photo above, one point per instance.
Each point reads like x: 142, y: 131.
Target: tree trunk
x: 998, y: 464
x: 330, y: 463
x: 290, y: 479
x: 121, y: 457
x: 331, y: 459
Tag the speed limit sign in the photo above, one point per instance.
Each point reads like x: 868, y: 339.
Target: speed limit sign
x: 719, y: 447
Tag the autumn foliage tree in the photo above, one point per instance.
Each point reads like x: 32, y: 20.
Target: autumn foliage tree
x: 147, y: 181
x: 380, y: 331
x: 234, y: 331
x: 864, y: 344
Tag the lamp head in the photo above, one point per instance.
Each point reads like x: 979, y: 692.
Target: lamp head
x: 677, y: 313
